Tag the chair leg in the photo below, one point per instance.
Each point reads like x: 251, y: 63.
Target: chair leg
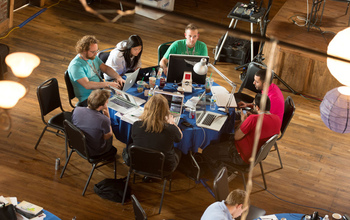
x: 66, y: 142
x: 65, y: 165
x: 263, y: 176
x: 279, y: 156
x: 126, y: 187
x: 42, y: 134
x: 88, y: 181
x: 161, y: 201
x: 244, y: 183
x: 170, y: 184
x: 115, y: 168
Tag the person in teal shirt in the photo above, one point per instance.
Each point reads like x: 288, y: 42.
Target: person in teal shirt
x: 84, y: 70
x: 188, y: 46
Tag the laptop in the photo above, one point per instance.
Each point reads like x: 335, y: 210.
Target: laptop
x: 208, y: 119
x: 123, y: 102
x: 130, y: 80
x: 146, y: 72
x: 175, y: 102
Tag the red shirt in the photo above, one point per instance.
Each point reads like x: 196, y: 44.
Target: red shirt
x: 271, y: 126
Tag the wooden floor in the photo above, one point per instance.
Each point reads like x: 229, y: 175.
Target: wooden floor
x: 315, y: 173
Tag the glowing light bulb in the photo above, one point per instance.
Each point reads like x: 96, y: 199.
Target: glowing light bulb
x: 22, y: 64
x: 10, y: 93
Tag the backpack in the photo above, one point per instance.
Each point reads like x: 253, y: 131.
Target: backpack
x: 112, y: 189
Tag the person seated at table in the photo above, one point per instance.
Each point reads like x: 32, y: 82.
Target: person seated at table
x: 274, y: 93
x: 84, y: 70
x: 189, y: 46
x: 238, y: 149
x: 95, y: 125
x: 125, y: 57
x: 230, y: 208
x: 157, y: 130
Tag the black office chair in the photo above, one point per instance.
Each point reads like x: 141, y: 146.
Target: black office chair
x: 103, y: 55
x: 77, y: 143
x: 49, y: 100
x: 162, y: 49
x: 140, y: 214
x: 221, y: 191
x: 248, y: 84
x: 260, y: 156
x: 150, y: 163
x: 289, y: 109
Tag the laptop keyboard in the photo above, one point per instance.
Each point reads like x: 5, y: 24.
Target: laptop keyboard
x: 122, y: 103
x: 208, y: 120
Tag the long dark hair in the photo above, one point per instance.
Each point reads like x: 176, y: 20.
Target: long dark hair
x: 133, y: 41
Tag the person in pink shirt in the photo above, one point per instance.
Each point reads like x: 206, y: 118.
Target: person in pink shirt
x: 274, y: 93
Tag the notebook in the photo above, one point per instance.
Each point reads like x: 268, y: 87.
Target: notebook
x: 123, y: 102
x: 175, y: 102
x: 130, y: 80
x: 208, y: 119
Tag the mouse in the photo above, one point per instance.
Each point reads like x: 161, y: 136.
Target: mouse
x: 221, y: 109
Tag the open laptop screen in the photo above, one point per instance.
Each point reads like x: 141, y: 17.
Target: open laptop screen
x: 175, y: 101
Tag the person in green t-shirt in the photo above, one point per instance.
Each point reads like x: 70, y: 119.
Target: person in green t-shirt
x: 188, y: 46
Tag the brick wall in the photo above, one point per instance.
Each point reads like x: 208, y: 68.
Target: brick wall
x: 3, y: 10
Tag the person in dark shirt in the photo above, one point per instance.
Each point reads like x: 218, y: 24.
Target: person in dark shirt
x: 157, y: 130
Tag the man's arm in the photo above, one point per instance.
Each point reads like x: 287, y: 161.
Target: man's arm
x: 110, y: 133
x: 164, y: 64
x: 110, y: 72
x: 95, y: 85
x: 239, y: 133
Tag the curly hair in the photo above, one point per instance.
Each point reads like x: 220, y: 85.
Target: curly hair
x: 155, y: 112
x: 98, y: 98
x: 84, y: 43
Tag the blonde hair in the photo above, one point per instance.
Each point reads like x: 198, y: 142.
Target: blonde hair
x: 236, y: 197
x: 191, y: 26
x: 154, y: 114
x: 84, y: 43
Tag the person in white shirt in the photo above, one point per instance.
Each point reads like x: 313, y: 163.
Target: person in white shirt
x: 126, y: 56
x: 230, y: 208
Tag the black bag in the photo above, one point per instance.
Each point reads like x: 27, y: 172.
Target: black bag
x: 112, y: 189
x: 7, y: 212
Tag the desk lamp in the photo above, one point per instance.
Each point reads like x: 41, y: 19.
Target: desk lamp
x: 22, y: 64
x: 201, y: 68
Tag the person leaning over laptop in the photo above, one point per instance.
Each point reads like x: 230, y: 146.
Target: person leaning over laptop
x: 95, y: 125
x: 84, y: 70
x: 126, y: 57
x: 230, y: 208
x: 239, y: 150
x: 157, y: 130
x: 188, y: 46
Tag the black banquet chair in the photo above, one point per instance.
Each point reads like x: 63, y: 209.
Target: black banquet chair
x: 103, y: 55
x: 221, y: 191
x: 70, y: 89
x: 162, y: 49
x: 77, y: 143
x: 260, y: 156
x: 150, y: 163
x: 289, y: 109
x: 140, y: 214
x: 49, y: 100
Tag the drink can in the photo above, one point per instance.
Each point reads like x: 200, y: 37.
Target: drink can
x: 57, y: 164
x: 192, y: 114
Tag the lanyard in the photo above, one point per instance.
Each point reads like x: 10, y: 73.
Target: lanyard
x: 93, y: 68
x: 193, y: 51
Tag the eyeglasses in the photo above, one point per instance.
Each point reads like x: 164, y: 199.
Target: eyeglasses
x: 94, y: 52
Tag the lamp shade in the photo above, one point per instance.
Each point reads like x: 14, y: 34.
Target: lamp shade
x: 335, y: 109
x: 22, y: 64
x: 10, y: 93
x: 340, y: 47
x: 201, y: 67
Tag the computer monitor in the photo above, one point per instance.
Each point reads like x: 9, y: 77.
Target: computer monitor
x: 179, y: 63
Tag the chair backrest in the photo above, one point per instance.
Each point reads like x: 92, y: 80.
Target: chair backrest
x: 221, y: 188
x: 76, y: 139
x: 289, y: 109
x: 70, y: 89
x: 103, y: 55
x: 49, y: 97
x: 146, y: 161
x: 138, y: 210
x: 265, y: 149
x: 249, y: 78
x: 162, y: 49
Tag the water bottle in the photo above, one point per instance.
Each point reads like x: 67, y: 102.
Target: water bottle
x: 156, y: 88
x: 153, y: 73
x: 150, y: 93
x: 160, y: 71
x: 212, y: 102
x: 326, y: 217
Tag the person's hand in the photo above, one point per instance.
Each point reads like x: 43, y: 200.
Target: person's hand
x: 242, y: 104
x: 165, y: 70
x: 114, y: 84
x: 105, y: 111
x: 120, y: 82
x: 170, y: 119
x: 243, y: 116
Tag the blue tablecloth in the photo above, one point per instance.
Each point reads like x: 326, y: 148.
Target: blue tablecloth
x: 50, y: 216
x: 289, y: 216
x: 193, y: 137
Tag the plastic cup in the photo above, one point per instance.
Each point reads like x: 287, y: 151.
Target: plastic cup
x: 181, y: 90
x: 152, y: 82
x: 140, y: 86
x: 208, y: 84
x: 336, y: 216
x: 161, y: 82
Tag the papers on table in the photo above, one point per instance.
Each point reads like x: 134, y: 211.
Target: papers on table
x: 24, y: 210
x: 222, y: 96
x: 268, y: 217
x: 132, y: 116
